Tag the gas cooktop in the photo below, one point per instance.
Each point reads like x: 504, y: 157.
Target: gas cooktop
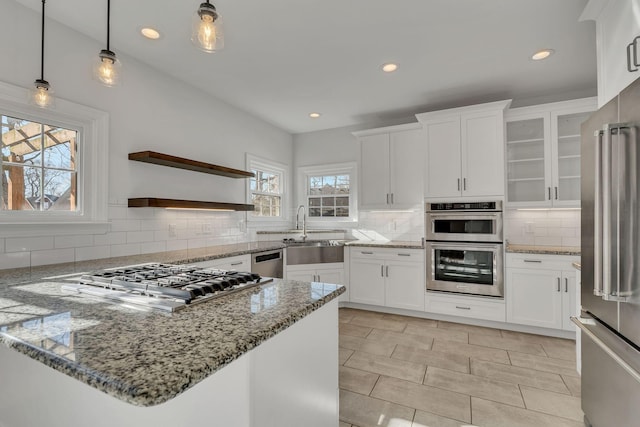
x: 163, y: 286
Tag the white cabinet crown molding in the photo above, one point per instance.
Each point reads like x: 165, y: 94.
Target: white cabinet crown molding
x: 386, y: 129
x: 593, y: 9
x: 489, y: 106
x: 590, y: 103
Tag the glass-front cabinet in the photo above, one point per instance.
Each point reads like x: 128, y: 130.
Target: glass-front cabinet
x: 543, y: 153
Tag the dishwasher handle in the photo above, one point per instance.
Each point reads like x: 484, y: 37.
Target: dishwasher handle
x: 267, y: 257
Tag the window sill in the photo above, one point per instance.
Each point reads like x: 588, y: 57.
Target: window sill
x: 26, y: 229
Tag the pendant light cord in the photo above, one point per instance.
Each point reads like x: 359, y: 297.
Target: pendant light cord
x: 108, y: 23
x: 42, y: 45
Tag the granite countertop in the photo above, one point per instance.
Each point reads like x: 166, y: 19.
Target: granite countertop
x: 577, y: 266
x: 544, y: 250
x: 146, y: 357
x: 299, y: 231
x: 386, y: 244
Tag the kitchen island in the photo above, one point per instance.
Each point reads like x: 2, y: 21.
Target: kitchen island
x: 265, y: 356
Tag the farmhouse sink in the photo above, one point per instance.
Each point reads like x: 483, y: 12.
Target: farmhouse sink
x: 314, y: 252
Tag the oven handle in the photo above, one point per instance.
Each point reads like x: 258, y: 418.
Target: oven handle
x: 495, y: 247
x: 463, y: 215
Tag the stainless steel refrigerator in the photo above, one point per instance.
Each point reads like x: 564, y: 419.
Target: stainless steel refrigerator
x: 610, y: 317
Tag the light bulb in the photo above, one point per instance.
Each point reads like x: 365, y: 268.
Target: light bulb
x: 107, y: 68
x: 206, y: 32
x: 42, y: 94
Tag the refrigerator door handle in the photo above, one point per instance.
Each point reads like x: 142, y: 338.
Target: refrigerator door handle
x: 581, y: 322
x: 597, y: 217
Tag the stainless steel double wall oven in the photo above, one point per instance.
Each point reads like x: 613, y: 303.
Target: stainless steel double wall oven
x: 464, y: 248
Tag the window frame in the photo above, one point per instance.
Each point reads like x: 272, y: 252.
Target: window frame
x: 92, y: 167
x: 349, y: 168
x: 281, y: 169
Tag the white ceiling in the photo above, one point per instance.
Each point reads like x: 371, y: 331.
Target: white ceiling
x: 286, y: 58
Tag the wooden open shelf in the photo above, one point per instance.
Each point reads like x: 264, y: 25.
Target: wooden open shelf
x: 150, y: 202
x: 188, y: 164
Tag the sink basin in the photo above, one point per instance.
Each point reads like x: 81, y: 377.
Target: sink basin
x: 314, y: 252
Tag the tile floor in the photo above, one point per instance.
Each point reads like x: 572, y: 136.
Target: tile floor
x: 398, y: 371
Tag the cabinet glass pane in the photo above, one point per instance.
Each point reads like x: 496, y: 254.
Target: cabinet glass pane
x: 569, y: 155
x: 525, y: 160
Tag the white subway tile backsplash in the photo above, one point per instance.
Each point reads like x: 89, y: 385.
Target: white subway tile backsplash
x: 1, y: 245
x: 23, y: 244
x: 52, y: 256
x: 153, y: 247
x: 63, y: 242
x: 550, y: 227
x: 94, y: 252
x: 139, y: 236
x: 112, y: 238
x: 177, y: 245
x: 117, y: 212
x: 548, y: 241
x: 571, y: 241
x: 125, y: 225
x: 141, y: 213
x: 15, y: 260
x: 125, y: 250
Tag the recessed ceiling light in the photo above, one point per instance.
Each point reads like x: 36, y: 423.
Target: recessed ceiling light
x: 314, y: 115
x: 150, y: 33
x: 389, y: 67
x: 542, y: 54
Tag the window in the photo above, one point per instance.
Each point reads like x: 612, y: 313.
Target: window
x: 53, y: 167
x: 38, y: 166
x: 330, y: 192
x: 267, y: 189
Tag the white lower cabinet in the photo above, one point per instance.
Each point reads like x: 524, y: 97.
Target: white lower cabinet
x: 326, y: 273
x: 541, y: 290
x: 466, y: 306
x: 387, y: 277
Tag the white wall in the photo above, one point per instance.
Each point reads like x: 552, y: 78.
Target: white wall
x: 149, y: 111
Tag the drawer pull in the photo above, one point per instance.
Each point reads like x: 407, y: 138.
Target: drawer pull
x: 404, y: 254
x: 463, y: 308
x: 366, y: 253
x: 533, y: 260
x: 237, y: 263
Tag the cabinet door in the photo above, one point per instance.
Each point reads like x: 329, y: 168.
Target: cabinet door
x: 569, y: 300
x: 333, y: 276
x: 565, y: 162
x: 302, y: 275
x: 534, y: 297
x: 366, y: 284
x: 374, y: 171
x: 405, y: 285
x: 406, y: 168
x: 483, y: 154
x: 442, y: 175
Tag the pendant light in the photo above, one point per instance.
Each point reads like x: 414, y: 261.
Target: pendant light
x: 107, y: 68
x: 207, y: 31
x: 42, y: 94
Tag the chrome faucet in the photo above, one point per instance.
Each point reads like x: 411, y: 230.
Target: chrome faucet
x: 304, y: 221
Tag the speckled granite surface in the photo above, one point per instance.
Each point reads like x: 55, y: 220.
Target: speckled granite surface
x: 144, y: 358
x: 299, y: 231
x: 390, y: 244
x: 549, y: 250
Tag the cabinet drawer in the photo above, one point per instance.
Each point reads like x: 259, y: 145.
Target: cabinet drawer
x: 541, y: 261
x: 240, y: 262
x: 466, y: 307
x: 416, y: 255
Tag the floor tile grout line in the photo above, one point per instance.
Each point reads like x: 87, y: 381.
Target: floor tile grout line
x: 470, y: 395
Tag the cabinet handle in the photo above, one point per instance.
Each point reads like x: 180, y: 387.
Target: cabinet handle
x: 464, y: 184
x: 549, y: 192
x: 366, y: 253
x: 556, y: 192
x: 404, y: 254
x: 463, y: 308
x: 387, y: 271
x: 558, y: 284
x: 632, y: 49
x: 236, y: 263
x: 533, y: 260
x: 382, y: 270
x: 318, y: 279
x: 458, y: 184
x: 391, y: 198
x: 387, y: 198
x: 566, y: 284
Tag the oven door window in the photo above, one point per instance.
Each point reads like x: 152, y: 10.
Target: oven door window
x: 464, y: 266
x: 464, y: 226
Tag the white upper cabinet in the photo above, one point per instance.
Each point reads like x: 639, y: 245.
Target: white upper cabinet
x: 391, y: 167
x: 543, y: 153
x: 618, y: 44
x: 465, y: 151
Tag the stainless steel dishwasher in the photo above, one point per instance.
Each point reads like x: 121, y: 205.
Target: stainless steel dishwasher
x: 268, y: 263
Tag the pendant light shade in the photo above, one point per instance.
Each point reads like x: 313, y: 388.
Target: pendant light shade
x: 42, y: 94
x: 107, y: 66
x: 207, y: 31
